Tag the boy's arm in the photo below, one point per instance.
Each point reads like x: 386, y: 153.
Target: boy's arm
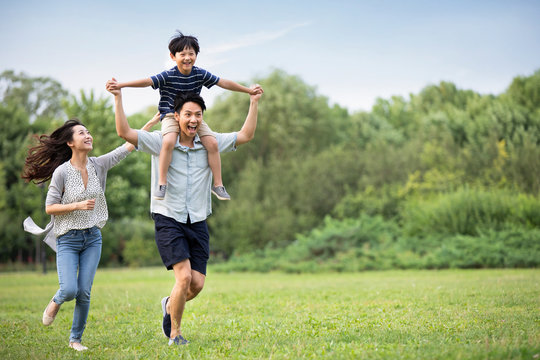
x: 248, y: 129
x: 115, y: 85
x: 234, y: 86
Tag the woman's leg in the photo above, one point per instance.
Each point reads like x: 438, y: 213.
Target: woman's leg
x: 88, y: 263
x: 68, y: 247
x: 67, y: 261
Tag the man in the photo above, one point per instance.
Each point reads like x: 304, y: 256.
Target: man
x: 180, y: 218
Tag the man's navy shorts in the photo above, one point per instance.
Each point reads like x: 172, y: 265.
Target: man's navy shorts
x: 176, y: 242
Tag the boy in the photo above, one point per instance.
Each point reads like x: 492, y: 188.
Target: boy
x: 185, y: 77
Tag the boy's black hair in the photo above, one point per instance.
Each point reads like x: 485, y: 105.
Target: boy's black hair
x: 180, y: 41
x: 184, y: 97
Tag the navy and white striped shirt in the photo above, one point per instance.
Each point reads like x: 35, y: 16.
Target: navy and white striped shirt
x: 171, y: 82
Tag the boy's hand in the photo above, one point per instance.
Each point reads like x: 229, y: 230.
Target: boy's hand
x: 112, y: 87
x: 255, y: 89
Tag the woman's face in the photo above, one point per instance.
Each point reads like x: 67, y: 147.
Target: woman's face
x: 82, y: 140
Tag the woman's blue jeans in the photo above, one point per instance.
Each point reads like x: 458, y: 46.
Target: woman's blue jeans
x: 77, y: 250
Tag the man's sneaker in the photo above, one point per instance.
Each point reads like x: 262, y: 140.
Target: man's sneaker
x: 160, y: 192
x: 48, y: 319
x: 166, y: 325
x: 220, y: 193
x: 179, y: 340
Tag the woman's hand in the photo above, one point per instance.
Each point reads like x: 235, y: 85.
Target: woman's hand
x: 86, y: 204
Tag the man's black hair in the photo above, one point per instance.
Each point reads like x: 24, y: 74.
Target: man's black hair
x: 184, y: 97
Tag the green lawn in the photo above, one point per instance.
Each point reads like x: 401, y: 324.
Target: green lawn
x: 455, y: 314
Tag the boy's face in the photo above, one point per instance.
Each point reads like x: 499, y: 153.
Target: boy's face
x: 189, y: 118
x: 185, y: 60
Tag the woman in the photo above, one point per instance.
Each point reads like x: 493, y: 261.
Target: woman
x: 76, y: 202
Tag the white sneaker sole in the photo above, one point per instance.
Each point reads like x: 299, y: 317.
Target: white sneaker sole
x: 77, y: 346
x: 220, y: 197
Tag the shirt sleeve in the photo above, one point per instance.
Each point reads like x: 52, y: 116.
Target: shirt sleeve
x: 159, y: 80
x: 226, y: 142
x: 112, y: 158
x: 209, y: 79
x: 149, y: 142
x: 56, y: 187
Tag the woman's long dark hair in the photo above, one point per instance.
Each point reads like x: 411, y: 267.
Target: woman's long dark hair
x: 49, y: 153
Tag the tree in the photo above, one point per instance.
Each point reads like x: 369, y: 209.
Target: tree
x: 29, y: 105
x: 40, y: 97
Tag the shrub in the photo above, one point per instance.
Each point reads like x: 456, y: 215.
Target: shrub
x: 468, y: 212
x: 118, y: 235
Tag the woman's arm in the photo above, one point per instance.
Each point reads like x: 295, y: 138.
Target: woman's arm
x: 53, y: 202
x: 61, y: 209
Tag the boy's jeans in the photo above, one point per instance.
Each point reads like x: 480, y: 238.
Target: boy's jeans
x: 77, y: 249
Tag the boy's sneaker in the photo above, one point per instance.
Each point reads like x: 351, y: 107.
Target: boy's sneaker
x: 160, y: 192
x: 179, y: 340
x: 220, y: 193
x: 166, y: 324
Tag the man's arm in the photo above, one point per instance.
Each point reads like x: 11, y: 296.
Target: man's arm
x: 146, y: 127
x: 122, y: 126
x: 234, y: 86
x: 248, y: 129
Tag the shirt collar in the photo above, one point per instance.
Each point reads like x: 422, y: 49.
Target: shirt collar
x: 197, y: 144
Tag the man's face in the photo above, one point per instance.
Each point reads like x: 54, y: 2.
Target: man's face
x: 185, y: 60
x: 189, y: 119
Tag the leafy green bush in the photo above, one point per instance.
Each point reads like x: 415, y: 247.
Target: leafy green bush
x: 494, y: 249
x: 141, y: 251
x: 371, y: 243
x: 338, y: 245
x: 129, y: 241
x: 468, y: 212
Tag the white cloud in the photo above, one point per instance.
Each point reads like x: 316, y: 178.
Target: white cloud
x: 213, y: 54
x: 253, y: 39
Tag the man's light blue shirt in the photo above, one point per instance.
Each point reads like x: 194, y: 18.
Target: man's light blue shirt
x: 189, y: 177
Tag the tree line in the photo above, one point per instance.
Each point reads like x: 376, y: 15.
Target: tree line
x: 443, y: 178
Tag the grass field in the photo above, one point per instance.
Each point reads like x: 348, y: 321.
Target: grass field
x: 455, y: 314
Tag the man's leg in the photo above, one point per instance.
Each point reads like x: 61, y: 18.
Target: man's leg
x: 196, y: 285
x: 179, y: 294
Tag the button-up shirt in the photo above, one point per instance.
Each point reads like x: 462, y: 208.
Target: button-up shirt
x: 189, y: 177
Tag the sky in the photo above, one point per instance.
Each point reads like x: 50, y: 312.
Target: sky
x: 352, y: 52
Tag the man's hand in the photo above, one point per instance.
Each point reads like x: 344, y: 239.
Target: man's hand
x: 257, y: 92
x: 112, y: 87
x: 255, y: 89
